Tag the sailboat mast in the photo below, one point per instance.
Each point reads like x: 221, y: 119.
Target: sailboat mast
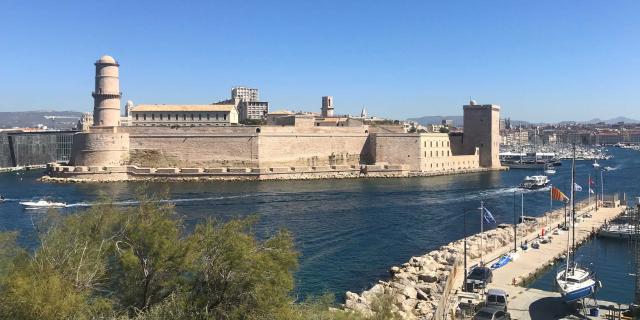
x: 481, y: 230
x: 573, y: 202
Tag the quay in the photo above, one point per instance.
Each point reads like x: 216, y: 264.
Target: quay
x: 529, y: 303
x: 429, y: 287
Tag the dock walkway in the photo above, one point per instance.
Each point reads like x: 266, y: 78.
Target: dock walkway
x: 527, y: 303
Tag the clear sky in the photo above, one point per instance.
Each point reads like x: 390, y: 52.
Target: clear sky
x: 540, y: 60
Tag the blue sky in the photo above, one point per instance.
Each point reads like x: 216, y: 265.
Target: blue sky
x: 540, y: 60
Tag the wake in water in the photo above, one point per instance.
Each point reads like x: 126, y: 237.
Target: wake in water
x: 173, y: 201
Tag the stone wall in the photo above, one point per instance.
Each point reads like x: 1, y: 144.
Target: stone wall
x: 312, y: 146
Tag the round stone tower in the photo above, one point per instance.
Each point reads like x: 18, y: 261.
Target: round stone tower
x: 106, y: 97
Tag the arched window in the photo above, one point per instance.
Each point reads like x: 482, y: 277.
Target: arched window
x: 192, y: 117
x: 200, y: 116
x: 136, y: 117
x: 161, y: 117
x: 153, y: 116
x: 144, y: 116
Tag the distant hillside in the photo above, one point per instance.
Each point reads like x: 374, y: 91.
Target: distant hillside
x: 613, y: 120
x: 34, y: 118
x: 426, y: 120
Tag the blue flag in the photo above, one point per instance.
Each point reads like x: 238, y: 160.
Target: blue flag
x: 488, y: 217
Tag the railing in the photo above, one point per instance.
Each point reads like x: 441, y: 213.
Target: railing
x: 445, y: 300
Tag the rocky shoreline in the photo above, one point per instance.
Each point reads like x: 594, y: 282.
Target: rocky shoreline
x: 418, y: 286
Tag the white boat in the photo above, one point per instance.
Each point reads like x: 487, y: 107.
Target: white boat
x: 596, y: 164
x: 42, y: 204
x: 618, y: 231
x: 549, y: 170
x: 535, y: 182
x: 574, y: 283
x: 607, y: 168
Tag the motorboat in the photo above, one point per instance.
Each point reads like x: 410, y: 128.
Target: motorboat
x: 535, y: 244
x: 618, y: 231
x: 596, y: 164
x: 549, y: 170
x: 607, y: 168
x: 504, y: 259
x: 42, y: 204
x: 576, y: 283
x: 535, y: 182
x: 2, y: 198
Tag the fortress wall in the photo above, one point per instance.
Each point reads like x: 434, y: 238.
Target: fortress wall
x: 193, y: 146
x: 397, y: 149
x: 312, y: 146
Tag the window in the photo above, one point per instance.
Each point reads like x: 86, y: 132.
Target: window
x: 184, y: 117
x: 431, y: 143
x: 208, y: 117
x: 192, y: 117
x: 216, y: 116
x: 224, y: 116
x: 199, y: 116
x: 176, y: 117
x: 153, y: 116
x: 448, y: 153
x: 432, y: 153
x: 136, y: 117
x: 161, y: 117
x: 144, y: 116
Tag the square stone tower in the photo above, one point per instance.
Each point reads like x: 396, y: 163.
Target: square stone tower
x: 482, y: 130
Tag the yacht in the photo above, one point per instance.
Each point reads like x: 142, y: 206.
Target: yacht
x: 535, y: 182
x: 618, y: 231
x: 42, y: 204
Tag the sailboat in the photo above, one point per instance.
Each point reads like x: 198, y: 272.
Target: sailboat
x: 574, y: 282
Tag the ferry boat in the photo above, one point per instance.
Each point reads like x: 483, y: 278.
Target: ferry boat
x: 42, y: 204
x: 535, y: 182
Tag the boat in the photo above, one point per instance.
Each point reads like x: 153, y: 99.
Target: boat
x: 549, y: 170
x: 506, y: 258
x: 535, y: 182
x: 574, y: 282
x: 607, y: 168
x: 535, y: 244
x: 42, y: 204
x: 530, y: 160
x: 618, y: 231
x: 596, y: 164
x: 2, y: 198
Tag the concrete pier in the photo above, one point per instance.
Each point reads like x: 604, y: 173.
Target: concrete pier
x: 526, y: 303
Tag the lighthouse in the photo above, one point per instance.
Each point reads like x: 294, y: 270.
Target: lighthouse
x: 106, y: 97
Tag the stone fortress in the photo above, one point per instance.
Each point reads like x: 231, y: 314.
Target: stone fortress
x: 183, y: 142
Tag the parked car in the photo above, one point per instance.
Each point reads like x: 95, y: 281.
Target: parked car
x: 497, y: 298
x: 489, y: 313
x: 479, y: 277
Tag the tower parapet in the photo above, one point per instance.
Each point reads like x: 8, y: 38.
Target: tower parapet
x: 106, y: 97
x: 327, y: 106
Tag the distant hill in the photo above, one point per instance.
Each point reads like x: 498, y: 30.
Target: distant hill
x: 426, y: 120
x: 612, y: 120
x: 33, y: 118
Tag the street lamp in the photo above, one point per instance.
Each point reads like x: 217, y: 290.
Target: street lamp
x: 464, y: 224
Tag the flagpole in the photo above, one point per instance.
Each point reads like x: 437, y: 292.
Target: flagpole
x: 589, y: 183
x: 481, y: 231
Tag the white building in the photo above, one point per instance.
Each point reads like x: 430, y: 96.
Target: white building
x: 245, y: 94
x: 184, y: 115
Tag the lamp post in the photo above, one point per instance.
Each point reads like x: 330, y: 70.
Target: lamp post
x: 464, y: 224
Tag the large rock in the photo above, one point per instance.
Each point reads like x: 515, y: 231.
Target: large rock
x: 428, y: 277
x: 408, y: 305
x: 409, y: 292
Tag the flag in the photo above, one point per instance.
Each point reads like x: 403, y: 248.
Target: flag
x: 577, y: 187
x: 557, y: 195
x: 591, y: 182
x: 488, y: 217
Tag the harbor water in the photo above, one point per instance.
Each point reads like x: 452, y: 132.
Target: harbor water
x: 351, y: 231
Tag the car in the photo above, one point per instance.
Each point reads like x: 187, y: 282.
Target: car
x: 479, y: 277
x: 497, y: 298
x: 489, y: 313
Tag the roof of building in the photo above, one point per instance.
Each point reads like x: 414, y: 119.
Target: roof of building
x: 107, y: 59
x: 183, y: 107
x: 280, y: 112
